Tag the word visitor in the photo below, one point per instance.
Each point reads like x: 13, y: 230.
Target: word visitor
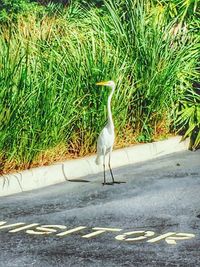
x: 61, y: 231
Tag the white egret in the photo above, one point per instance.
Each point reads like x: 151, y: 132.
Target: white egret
x: 106, y: 138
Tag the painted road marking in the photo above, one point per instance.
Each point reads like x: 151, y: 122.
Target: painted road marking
x: 9, y: 225
x: 142, y: 235
x: 23, y: 228
x: 133, y: 236
x: 77, y: 229
x: 45, y: 229
x: 171, y: 237
x: 100, y: 230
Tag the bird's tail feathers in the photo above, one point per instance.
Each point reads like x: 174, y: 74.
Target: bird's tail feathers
x: 99, y: 160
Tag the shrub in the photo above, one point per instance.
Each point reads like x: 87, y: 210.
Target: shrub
x: 9, y: 9
x: 49, y: 65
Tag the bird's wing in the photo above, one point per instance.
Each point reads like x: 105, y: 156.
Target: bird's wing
x: 105, y: 140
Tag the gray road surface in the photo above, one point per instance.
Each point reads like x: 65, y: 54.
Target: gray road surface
x: 158, y: 206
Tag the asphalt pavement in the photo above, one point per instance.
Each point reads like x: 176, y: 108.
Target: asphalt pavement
x: 151, y: 220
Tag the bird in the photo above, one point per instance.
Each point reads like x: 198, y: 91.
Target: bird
x: 106, y: 137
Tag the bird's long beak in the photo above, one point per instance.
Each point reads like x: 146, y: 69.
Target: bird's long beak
x: 102, y: 83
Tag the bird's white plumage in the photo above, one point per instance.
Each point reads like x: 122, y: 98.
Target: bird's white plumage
x: 106, y: 138
x: 105, y: 143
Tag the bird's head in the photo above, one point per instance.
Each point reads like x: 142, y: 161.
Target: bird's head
x: 108, y: 83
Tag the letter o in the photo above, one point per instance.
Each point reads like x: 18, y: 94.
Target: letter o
x: 142, y: 235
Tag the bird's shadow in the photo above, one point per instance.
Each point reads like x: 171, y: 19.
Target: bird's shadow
x: 73, y: 180
x: 87, y: 181
x: 78, y: 181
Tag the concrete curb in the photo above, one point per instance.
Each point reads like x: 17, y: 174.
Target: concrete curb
x: 72, y: 169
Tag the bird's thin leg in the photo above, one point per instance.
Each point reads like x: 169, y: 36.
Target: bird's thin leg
x: 104, y: 172
x: 114, y: 182
x: 110, y: 167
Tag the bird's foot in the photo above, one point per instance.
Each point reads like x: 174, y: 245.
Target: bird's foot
x: 118, y: 182
x: 107, y: 183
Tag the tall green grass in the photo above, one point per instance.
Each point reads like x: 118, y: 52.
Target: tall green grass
x: 49, y: 103
x: 162, y: 65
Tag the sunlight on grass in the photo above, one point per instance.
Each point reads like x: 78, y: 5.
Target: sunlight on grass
x: 50, y: 108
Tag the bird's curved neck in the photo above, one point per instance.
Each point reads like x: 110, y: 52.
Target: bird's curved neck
x: 110, y: 119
